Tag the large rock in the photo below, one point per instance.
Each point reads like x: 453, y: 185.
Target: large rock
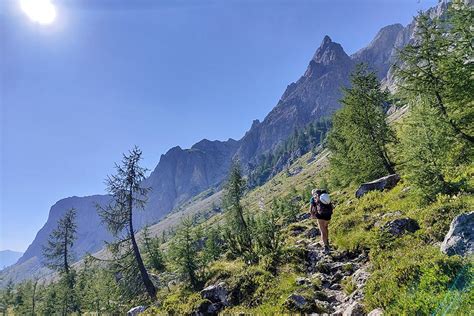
x: 216, y: 293
x: 381, y: 184
x: 401, y: 226
x: 460, y: 238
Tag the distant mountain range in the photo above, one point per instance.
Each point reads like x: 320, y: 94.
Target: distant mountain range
x: 183, y: 173
x: 9, y: 257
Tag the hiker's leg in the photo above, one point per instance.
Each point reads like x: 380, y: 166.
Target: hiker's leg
x: 327, y: 233
x: 323, y: 230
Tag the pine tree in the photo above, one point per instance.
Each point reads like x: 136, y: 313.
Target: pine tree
x: 183, y: 253
x: 237, y: 232
x: 360, y: 135
x: 58, y: 252
x: 269, y: 239
x: 154, y: 256
x: 213, y: 245
x: 58, y: 255
x: 128, y: 195
x: 438, y: 67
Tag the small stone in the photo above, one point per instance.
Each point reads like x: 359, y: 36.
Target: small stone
x: 355, y: 309
x: 336, y: 287
x: 302, y: 281
x: 136, y: 310
x: 312, y: 233
x: 376, y: 312
x: 296, y: 301
x: 303, y: 216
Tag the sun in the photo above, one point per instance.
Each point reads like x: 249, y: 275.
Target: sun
x: 40, y: 11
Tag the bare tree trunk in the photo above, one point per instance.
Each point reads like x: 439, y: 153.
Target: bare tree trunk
x: 150, y: 288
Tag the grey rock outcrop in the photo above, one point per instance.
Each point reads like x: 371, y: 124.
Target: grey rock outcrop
x: 384, y: 183
x: 460, y: 238
x: 216, y: 294
x: 401, y: 226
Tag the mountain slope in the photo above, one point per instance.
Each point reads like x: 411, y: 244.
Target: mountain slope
x: 313, y: 96
x: 9, y: 257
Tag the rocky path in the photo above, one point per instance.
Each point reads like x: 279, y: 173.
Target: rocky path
x: 321, y: 290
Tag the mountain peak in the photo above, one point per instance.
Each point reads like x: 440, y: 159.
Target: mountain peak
x: 328, y: 52
x: 326, y: 40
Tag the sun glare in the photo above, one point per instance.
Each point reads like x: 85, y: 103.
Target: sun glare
x: 40, y: 11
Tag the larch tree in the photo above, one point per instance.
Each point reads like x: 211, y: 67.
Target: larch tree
x: 360, y: 136
x: 128, y: 196
x: 58, y: 255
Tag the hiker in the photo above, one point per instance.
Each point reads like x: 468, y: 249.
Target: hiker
x: 321, y: 209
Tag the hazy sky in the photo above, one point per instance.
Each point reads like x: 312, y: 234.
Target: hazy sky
x: 109, y: 74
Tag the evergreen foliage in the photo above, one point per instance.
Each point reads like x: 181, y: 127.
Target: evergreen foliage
x: 183, y: 253
x: 360, y: 136
x: 57, y: 252
x: 154, y: 256
x: 128, y: 195
x: 299, y: 143
x: 438, y: 67
x: 238, y: 232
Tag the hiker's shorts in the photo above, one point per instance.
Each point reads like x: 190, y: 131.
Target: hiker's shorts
x: 324, y: 216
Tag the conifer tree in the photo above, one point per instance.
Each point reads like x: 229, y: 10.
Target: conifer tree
x: 237, y: 232
x: 360, y: 135
x: 154, y: 256
x: 183, y: 253
x: 58, y: 252
x: 58, y: 255
x: 438, y: 67
x: 128, y: 196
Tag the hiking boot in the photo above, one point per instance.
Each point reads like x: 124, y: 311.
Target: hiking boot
x: 327, y: 249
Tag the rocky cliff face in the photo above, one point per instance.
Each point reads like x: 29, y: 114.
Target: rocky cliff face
x: 90, y: 233
x: 314, y: 95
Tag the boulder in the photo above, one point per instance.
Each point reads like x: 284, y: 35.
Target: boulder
x: 400, y: 226
x: 216, y: 293
x: 136, y: 310
x: 460, y: 238
x: 381, y: 184
x: 355, y: 309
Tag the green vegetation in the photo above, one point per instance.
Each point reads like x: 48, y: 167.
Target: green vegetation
x: 302, y: 141
x: 257, y: 247
x: 361, y: 135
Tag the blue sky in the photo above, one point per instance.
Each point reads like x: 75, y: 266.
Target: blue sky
x: 109, y: 74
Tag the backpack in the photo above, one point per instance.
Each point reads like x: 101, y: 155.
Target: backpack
x: 325, y: 209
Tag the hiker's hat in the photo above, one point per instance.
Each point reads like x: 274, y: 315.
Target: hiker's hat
x: 325, y: 199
